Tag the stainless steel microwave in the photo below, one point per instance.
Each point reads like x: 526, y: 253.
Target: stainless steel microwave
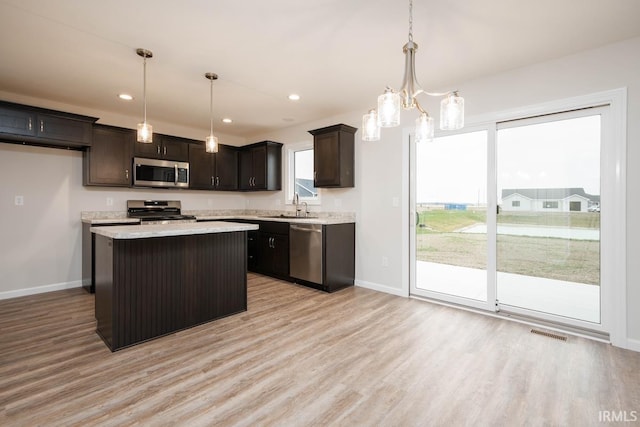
x: 160, y: 173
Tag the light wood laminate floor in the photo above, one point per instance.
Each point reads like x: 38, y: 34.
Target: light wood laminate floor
x: 299, y: 357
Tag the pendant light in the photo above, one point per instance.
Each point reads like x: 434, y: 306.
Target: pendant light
x: 211, y: 143
x: 388, y: 113
x: 145, y: 130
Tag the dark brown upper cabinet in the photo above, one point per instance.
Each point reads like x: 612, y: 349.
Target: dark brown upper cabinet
x: 38, y: 126
x: 333, y: 156
x: 213, y: 171
x: 260, y: 166
x: 108, y: 160
x: 164, y: 147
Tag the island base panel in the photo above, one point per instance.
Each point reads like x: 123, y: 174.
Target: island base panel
x: 146, y: 288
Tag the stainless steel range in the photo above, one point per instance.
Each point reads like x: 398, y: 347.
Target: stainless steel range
x: 158, y: 211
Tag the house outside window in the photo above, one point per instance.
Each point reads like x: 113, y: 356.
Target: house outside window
x: 550, y: 204
x: 300, y: 174
x: 515, y: 203
x: 575, y: 206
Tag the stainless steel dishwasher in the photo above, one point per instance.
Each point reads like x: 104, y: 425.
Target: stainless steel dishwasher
x: 305, y: 252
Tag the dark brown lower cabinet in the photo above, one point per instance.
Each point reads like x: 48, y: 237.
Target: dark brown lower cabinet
x: 272, y: 249
x: 149, y: 287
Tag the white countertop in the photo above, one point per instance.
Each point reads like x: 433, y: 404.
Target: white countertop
x: 98, y: 221
x: 165, y: 230
x: 97, y: 218
x: 278, y: 218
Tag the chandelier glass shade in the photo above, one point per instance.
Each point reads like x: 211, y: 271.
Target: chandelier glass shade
x: 145, y: 130
x: 388, y: 112
x: 371, y: 130
x: 211, y: 142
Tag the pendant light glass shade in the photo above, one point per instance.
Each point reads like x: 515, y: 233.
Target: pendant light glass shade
x: 145, y: 130
x: 211, y: 142
x: 389, y: 109
x: 370, y: 128
x: 145, y: 133
x: 452, y: 112
x: 424, y: 128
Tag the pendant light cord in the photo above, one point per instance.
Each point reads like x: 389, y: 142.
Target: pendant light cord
x: 211, y: 107
x: 410, y: 20
x: 144, y: 87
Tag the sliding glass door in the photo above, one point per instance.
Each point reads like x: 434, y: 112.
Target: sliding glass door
x: 507, y: 218
x: 548, y: 232
x: 450, y: 203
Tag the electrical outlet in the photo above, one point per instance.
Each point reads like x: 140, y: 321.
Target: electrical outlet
x: 337, y: 202
x: 395, y: 202
x: 109, y: 201
x: 19, y: 200
x: 385, y: 261
x: 210, y: 202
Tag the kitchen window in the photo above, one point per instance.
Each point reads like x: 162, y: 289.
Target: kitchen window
x: 300, y: 174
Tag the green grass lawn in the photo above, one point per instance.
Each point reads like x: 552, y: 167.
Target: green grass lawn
x: 450, y: 220
x: 561, y: 259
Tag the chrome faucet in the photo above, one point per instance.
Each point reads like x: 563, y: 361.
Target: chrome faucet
x: 296, y: 202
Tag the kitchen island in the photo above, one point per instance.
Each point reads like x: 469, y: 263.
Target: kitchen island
x: 152, y: 280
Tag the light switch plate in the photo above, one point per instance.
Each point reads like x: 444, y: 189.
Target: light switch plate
x: 19, y: 200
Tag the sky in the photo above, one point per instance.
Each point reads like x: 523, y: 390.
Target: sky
x: 556, y: 154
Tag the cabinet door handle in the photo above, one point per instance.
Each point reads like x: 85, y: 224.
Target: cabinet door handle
x: 217, y: 181
x: 158, y: 149
x: 126, y: 173
x: 164, y: 150
x: 30, y: 124
x: 212, y: 182
x: 41, y: 125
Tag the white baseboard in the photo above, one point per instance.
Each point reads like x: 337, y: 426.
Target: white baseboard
x: 381, y: 288
x: 40, y: 289
x: 633, y: 344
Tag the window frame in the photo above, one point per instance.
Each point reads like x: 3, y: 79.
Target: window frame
x: 292, y: 149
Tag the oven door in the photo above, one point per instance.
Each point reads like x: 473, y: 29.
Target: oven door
x: 160, y: 173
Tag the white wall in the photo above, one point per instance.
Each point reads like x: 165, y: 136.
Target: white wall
x: 41, y: 249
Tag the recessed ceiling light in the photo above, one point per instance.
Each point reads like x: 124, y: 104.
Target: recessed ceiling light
x: 125, y: 96
x: 294, y: 97
x: 227, y: 120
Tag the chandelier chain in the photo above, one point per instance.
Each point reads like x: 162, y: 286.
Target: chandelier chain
x: 410, y: 20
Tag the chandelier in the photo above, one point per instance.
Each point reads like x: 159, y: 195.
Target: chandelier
x: 388, y: 112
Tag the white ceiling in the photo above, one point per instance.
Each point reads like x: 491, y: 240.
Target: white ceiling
x: 337, y: 54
